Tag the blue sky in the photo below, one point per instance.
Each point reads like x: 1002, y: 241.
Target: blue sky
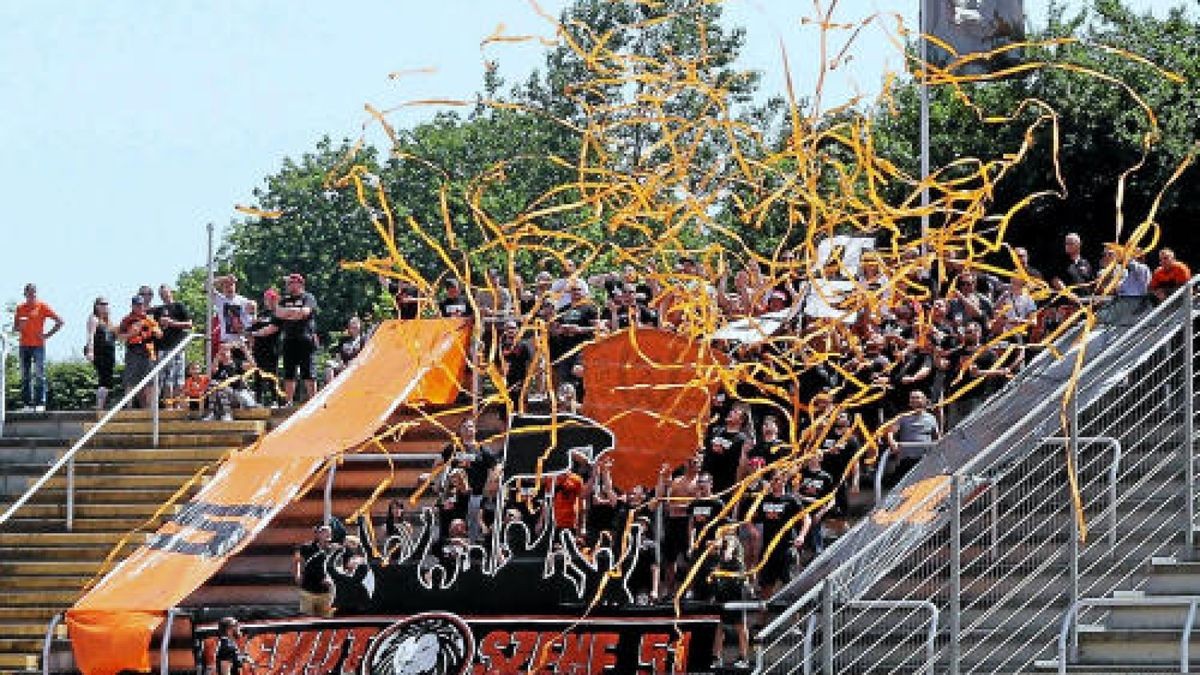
x: 128, y: 126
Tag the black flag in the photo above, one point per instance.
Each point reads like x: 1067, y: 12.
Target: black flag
x: 530, y: 440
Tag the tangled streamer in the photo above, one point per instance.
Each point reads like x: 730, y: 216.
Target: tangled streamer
x: 670, y: 197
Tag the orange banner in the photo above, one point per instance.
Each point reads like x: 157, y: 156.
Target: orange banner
x: 409, y: 361
x: 648, y: 387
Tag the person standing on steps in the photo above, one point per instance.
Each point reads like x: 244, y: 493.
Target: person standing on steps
x: 297, y: 312
x: 230, y: 658
x: 139, y: 331
x: 29, y: 322
x: 101, y: 349
x: 174, y: 320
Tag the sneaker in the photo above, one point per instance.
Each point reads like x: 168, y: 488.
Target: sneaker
x: 741, y: 664
x: 226, y: 417
x: 27, y: 408
x: 717, y: 664
x: 207, y: 418
x: 40, y: 408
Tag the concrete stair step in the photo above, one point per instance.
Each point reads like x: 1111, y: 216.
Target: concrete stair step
x: 105, y: 495
x: 123, y: 455
x: 62, y: 583
x: 26, y: 629
x: 63, y: 553
x: 115, y: 525
x: 19, y: 663
x: 180, y: 440
x: 48, y: 568
x: 31, y: 614
x: 39, y: 598
x: 59, y: 539
x: 141, y: 415
x: 183, y: 427
x: 159, y: 481
x: 1133, y: 647
x: 59, y: 511
x: 148, y: 467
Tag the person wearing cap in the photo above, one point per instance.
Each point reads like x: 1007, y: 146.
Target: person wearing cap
x: 139, y: 331
x: 29, y: 322
x: 264, y: 347
x: 298, y: 331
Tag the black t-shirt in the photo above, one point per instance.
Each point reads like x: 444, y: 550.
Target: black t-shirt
x: 774, y: 513
x: 225, y: 371
x: 477, y: 460
x: 768, y: 451
x: 348, y: 347
x: 227, y: 652
x: 814, y: 484
x: 460, y: 307
x: 518, y: 354
x: 299, y: 329
x: 1078, y: 272
x: 313, y: 574
x: 703, y: 511
x: 837, y: 455
x: 407, y: 299
x: 722, y: 455
x: 171, y: 336
x: 451, y: 507
x: 582, y: 315
x: 265, y: 347
x: 634, y: 315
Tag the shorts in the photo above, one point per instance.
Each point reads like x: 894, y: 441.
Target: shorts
x: 775, y: 568
x: 298, y: 355
x: 316, y: 604
x: 675, y: 538
x: 172, y: 375
x: 137, y: 367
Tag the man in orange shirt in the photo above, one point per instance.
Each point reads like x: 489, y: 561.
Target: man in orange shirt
x: 30, y: 323
x: 1171, y: 274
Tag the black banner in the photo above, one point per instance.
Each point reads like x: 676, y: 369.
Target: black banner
x: 445, y: 644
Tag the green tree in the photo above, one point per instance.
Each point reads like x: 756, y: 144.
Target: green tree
x: 1101, y: 126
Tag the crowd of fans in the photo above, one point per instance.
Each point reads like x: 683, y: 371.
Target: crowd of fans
x: 930, y: 361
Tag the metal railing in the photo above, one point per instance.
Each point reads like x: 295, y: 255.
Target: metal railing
x: 995, y: 544
x: 68, y: 458
x: 48, y: 642
x: 1071, y: 617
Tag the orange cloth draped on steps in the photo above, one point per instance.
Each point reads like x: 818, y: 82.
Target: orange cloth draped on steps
x: 647, y: 388
x: 404, y: 362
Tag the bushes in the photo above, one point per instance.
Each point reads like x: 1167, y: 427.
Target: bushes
x: 70, y: 385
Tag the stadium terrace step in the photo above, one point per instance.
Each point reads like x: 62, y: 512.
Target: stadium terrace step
x: 177, y: 440
x: 183, y: 427
x: 135, y: 482
x: 103, y: 496
x: 59, y: 582
x: 81, y: 525
x: 85, y: 511
x: 47, y: 568
x: 124, y: 455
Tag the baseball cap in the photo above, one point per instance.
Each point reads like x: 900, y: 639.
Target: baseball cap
x: 138, y: 300
x: 296, y: 276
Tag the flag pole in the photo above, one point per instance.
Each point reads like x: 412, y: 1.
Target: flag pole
x: 924, y: 93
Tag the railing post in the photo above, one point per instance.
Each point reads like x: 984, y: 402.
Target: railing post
x: 70, y: 494
x: 955, y: 600
x: 164, y: 655
x: 154, y: 405
x: 1073, y: 544
x: 1189, y: 431
x: 827, y: 628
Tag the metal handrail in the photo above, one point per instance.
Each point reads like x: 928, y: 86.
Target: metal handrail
x: 3, y: 380
x: 48, y: 642
x: 164, y: 653
x: 363, y: 457
x: 930, y: 634
x: 1112, y: 477
x: 68, y: 459
x: 1072, y: 615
